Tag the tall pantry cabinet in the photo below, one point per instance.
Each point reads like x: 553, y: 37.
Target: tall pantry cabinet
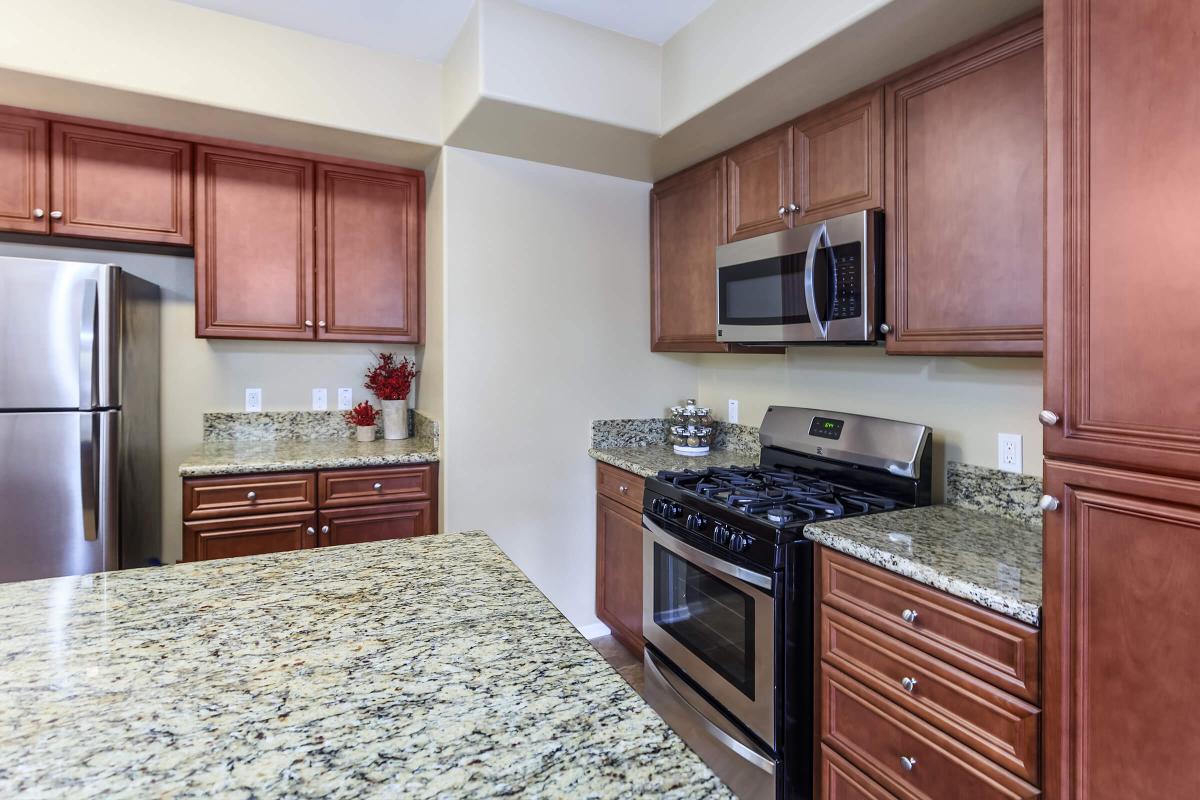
x: 1122, y: 394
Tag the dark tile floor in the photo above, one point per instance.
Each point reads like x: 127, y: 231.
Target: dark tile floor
x: 628, y: 665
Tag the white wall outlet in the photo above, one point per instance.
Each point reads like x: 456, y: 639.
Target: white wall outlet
x: 320, y: 400
x: 1010, y: 452
x: 345, y: 399
x: 732, y: 416
x: 254, y: 400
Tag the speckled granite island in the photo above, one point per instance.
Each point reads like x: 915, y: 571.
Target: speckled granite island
x: 427, y: 667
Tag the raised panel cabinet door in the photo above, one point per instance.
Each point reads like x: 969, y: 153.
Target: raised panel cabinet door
x: 369, y: 252
x: 839, y: 157
x: 248, y: 536
x: 1122, y: 610
x: 964, y: 200
x: 687, y: 222
x: 254, y: 245
x: 376, y: 523
x: 24, y: 174
x: 1122, y: 240
x: 114, y: 185
x: 619, y: 571
x: 758, y: 180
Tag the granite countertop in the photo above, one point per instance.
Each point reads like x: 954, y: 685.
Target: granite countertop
x: 987, y: 558
x: 237, y: 456
x: 647, y: 460
x: 425, y: 667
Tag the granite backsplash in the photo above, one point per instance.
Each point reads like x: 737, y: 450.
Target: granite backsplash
x: 283, y: 425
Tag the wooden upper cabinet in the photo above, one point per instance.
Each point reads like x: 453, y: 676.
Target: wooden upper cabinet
x: 116, y: 185
x: 839, y: 158
x: 687, y: 222
x: 964, y: 160
x: 369, y: 236
x: 1122, y: 279
x: 758, y: 177
x: 254, y: 245
x: 24, y: 174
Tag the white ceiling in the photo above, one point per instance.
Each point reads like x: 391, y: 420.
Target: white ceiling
x: 425, y: 29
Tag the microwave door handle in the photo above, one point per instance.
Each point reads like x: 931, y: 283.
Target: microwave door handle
x: 820, y: 328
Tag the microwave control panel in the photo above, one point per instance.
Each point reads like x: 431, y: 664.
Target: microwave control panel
x: 847, y: 290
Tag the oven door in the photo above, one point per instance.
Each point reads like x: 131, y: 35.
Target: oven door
x: 715, y: 622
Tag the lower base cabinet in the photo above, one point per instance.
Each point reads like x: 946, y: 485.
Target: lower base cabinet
x: 242, y: 515
x: 619, y: 555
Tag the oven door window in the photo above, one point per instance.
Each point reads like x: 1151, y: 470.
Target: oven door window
x: 706, y: 615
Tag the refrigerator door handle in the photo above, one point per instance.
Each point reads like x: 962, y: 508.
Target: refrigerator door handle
x: 88, y: 342
x: 89, y: 462
x: 108, y: 486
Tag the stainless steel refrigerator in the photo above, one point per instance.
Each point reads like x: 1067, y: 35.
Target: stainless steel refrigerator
x: 79, y: 438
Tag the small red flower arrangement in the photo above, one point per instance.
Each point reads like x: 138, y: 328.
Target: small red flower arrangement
x: 362, y: 415
x: 391, y: 379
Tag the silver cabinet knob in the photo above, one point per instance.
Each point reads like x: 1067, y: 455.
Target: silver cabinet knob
x: 55, y: 215
x: 1048, y: 503
x: 909, y: 684
x: 321, y: 324
x: 38, y: 213
x: 308, y: 323
x: 251, y: 495
x: 1047, y: 417
x: 377, y: 486
x: 908, y: 763
x: 310, y: 531
x: 793, y: 208
x: 324, y: 529
x: 884, y: 328
x: 908, y: 615
x: 783, y: 211
x: 623, y: 489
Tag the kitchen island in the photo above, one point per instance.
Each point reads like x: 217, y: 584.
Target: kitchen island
x: 427, y: 667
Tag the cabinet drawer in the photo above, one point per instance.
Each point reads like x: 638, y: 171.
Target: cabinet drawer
x: 238, y: 495
x: 992, y: 722
x: 841, y: 780
x: 989, y: 646
x: 624, y: 487
x: 878, y: 736
x: 356, y: 487
x: 375, y: 523
x: 248, y: 536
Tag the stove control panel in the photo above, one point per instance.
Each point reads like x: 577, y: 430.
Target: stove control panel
x: 666, y: 508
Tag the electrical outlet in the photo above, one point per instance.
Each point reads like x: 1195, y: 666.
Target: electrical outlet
x: 320, y: 400
x: 345, y: 399
x: 732, y: 416
x: 254, y: 400
x: 1010, y: 451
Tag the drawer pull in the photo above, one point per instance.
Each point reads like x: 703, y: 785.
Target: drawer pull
x: 324, y: 529
x: 909, y: 616
x: 623, y: 489
x: 909, y: 684
x: 908, y: 763
x: 377, y: 486
x: 251, y: 495
x: 310, y: 531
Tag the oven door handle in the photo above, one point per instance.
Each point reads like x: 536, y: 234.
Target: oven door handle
x: 820, y: 327
x: 698, y: 556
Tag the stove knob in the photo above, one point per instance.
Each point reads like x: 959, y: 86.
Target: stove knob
x: 739, y: 543
x: 673, y: 511
x: 696, y: 522
x: 721, y: 534
x: 658, y: 506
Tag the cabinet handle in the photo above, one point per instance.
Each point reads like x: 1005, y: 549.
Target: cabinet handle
x: 38, y: 213
x: 308, y: 323
x: 908, y: 763
x: 1047, y: 417
x: 324, y: 529
x: 793, y: 208
x: 377, y: 486
x: 1048, y: 503
x: 884, y: 328
x: 782, y: 212
x: 909, y: 684
x: 908, y: 615
x: 321, y: 324
x: 55, y: 215
x: 623, y: 489
x: 310, y: 531
x: 251, y: 495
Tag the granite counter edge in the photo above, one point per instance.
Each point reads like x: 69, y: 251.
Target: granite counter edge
x: 299, y: 465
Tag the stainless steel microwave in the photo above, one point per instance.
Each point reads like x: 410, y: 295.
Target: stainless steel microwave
x: 817, y: 283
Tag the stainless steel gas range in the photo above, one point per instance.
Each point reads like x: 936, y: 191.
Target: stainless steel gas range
x: 727, y: 609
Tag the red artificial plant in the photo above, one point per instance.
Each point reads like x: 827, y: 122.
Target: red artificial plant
x: 362, y: 415
x: 391, y: 379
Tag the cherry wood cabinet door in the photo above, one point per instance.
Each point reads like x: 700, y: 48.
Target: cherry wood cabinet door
x: 24, y: 174
x: 377, y: 523
x: 1122, y: 610
x: 964, y: 200
x: 619, y: 571
x: 248, y: 536
x: 758, y: 180
x: 254, y: 245
x: 1122, y: 239
x: 369, y: 250
x: 687, y: 222
x: 839, y: 158
x: 114, y: 185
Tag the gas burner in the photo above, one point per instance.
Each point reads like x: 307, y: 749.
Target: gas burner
x: 780, y: 516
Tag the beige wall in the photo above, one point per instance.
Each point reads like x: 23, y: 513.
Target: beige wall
x: 201, y: 375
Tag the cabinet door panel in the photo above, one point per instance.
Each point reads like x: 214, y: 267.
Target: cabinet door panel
x: 115, y: 185
x: 687, y: 222
x: 1122, y: 607
x: 376, y: 523
x: 839, y: 157
x: 254, y: 245
x: 619, y: 571
x: 369, y: 227
x: 248, y: 536
x: 24, y: 174
x: 1122, y: 282
x: 964, y: 208
x: 758, y: 177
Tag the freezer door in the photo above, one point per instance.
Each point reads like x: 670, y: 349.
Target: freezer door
x: 58, y: 331
x: 58, y: 494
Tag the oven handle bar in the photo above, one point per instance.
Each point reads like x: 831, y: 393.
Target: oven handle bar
x: 765, y: 764
x: 682, y: 548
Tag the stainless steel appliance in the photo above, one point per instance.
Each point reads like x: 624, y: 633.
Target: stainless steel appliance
x: 79, y: 439
x: 728, y: 585
x: 817, y: 283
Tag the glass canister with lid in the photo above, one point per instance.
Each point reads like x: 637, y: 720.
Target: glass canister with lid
x: 692, y: 429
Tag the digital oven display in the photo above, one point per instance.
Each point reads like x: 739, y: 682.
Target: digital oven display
x: 826, y: 428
